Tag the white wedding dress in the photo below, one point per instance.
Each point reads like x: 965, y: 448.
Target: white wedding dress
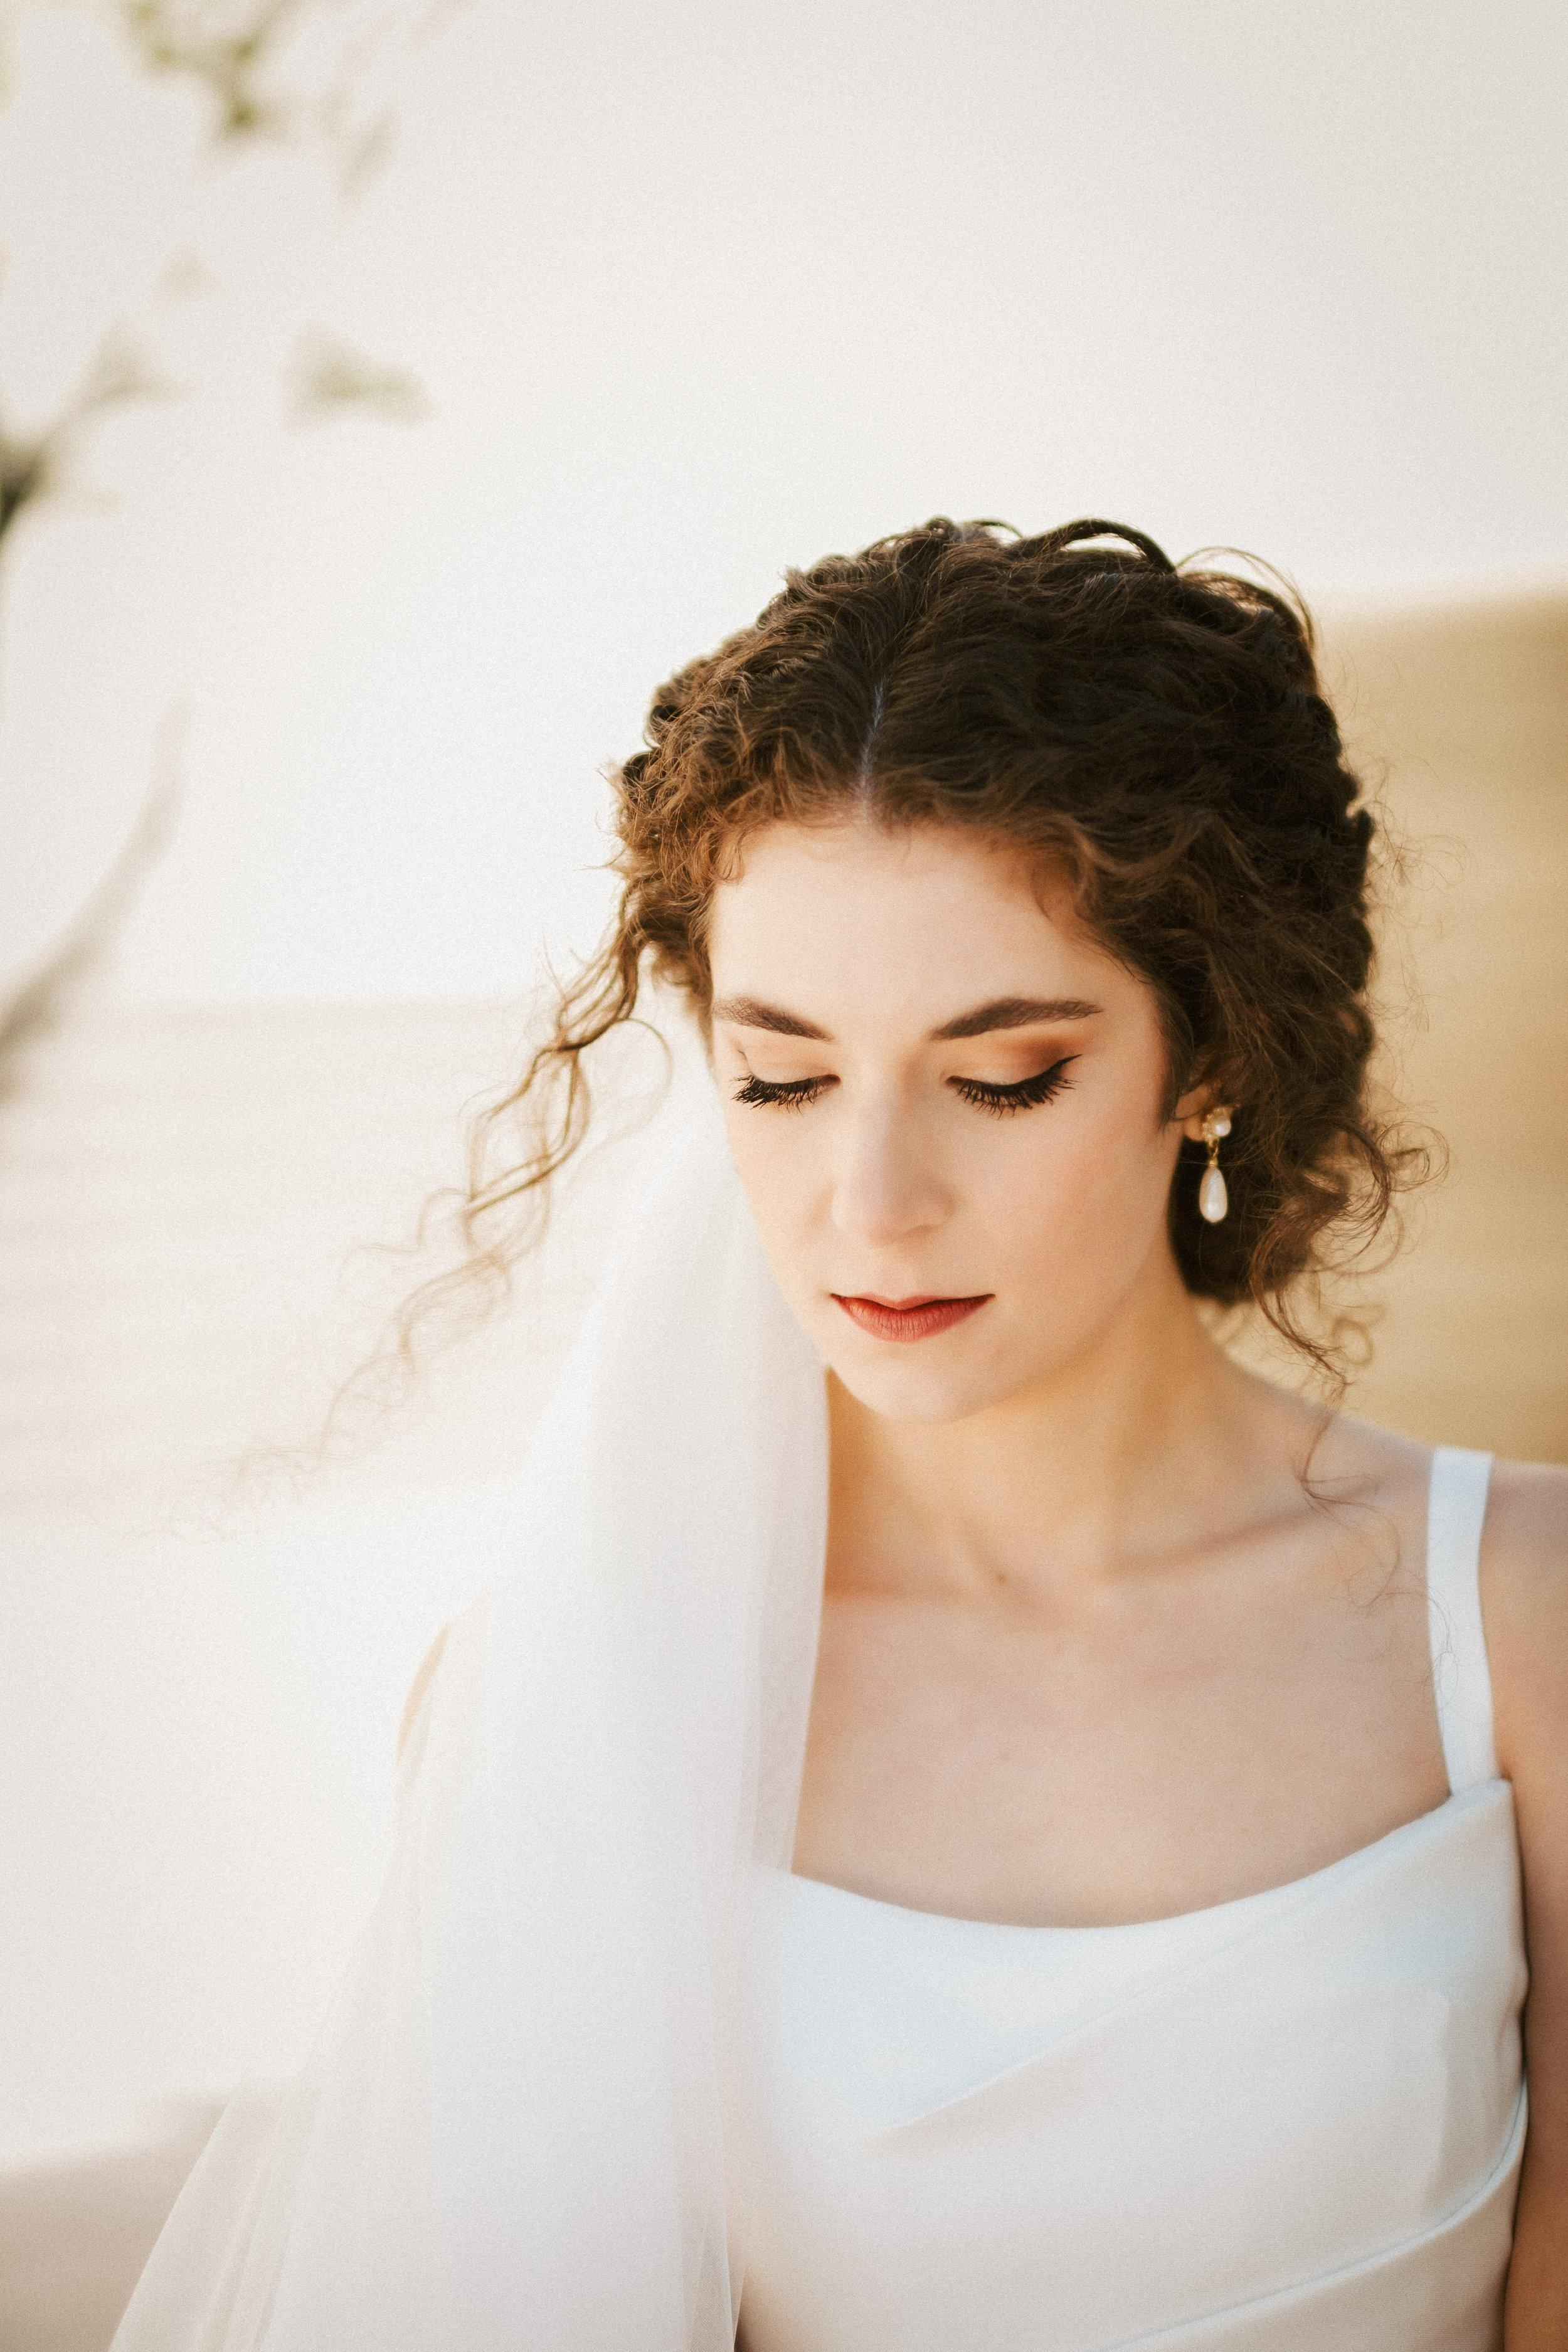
x: 602, y: 2058
x: 1292, y: 2121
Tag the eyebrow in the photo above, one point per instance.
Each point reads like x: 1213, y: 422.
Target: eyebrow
x: 1001, y: 1013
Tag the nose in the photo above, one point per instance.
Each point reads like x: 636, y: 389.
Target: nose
x: 886, y: 1187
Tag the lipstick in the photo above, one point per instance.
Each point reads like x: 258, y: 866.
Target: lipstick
x: 907, y: 1319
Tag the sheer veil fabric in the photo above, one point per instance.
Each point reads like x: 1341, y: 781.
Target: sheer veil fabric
x: 519, y: 2129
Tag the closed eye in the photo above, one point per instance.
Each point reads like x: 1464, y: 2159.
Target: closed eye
x: 1024, y: 1094
x: 789, y: 1094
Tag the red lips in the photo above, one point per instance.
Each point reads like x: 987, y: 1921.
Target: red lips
x: 909, y: 1318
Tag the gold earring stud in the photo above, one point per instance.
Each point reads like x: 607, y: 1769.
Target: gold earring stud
x: 1213, y: 1200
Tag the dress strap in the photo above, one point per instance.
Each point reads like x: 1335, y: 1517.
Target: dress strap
x: 1461, y: 1679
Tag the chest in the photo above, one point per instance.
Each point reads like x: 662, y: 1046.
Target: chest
x: 1208, y: 1735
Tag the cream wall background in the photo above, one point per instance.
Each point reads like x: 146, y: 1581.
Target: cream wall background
x: 695, y: 291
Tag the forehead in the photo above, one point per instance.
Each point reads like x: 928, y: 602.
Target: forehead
x: 910, y: 923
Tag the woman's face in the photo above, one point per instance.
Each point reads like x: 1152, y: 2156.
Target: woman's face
x: 938, y: 1087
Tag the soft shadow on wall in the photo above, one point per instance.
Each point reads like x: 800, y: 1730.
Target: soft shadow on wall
x: 1457, y: 712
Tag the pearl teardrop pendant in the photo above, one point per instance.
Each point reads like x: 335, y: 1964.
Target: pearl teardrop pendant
x: 1213, y: 1201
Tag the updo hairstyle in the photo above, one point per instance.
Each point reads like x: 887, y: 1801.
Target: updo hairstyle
x: 1153, y: 735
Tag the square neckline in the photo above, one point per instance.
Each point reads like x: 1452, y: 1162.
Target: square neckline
x: 1457, y: 1493
x: 1230, y: 1908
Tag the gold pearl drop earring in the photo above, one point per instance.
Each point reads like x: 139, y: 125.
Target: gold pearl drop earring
x: 1213, y: 1201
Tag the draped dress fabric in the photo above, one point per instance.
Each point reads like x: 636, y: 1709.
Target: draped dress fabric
x: 1293, y: 2120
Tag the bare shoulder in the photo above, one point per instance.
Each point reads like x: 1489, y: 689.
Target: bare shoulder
x: 418, y: 1687
x: 1524, y: 1594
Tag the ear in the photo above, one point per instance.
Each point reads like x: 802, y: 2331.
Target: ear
x: 1194, y: 1108
x: 1197, y: 1107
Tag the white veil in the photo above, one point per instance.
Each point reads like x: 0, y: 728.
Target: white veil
x: 518, y: 2129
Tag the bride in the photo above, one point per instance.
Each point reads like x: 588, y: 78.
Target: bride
x: 974, y: 1824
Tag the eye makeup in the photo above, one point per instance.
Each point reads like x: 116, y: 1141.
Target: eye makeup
x: 1021, y: 1094
x: 1024, y: 1094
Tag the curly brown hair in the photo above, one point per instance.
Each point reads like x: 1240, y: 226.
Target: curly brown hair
x: 1155, y: 734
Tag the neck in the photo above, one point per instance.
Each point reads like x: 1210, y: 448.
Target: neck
x: 1143, y: 1444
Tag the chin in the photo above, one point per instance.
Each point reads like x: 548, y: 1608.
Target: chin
x: 912, y: 1390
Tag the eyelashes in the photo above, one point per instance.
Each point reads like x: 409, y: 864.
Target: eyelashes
x: 786, y: 1094
x: 1024, y: 1094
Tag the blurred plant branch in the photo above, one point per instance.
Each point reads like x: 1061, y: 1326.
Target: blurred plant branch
x: 252, y: 60
x: 288, y: 71
x: 230, y: 52
x: 35, y: 1002
x: 34, y: 466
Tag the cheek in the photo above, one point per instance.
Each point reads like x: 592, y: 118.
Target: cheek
x: 1082, y: 1204
x: 773, y: 1160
